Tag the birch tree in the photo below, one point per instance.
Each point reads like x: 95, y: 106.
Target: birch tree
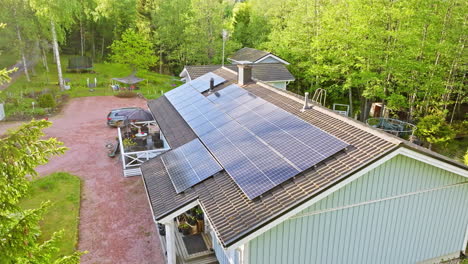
x: 60, y: 16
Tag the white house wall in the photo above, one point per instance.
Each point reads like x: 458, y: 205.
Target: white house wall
x: 268, y: 60
x: 403, y: 211
x: 220, y: 252
x: 280, y: 85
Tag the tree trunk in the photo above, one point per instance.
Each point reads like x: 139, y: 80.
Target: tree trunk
x: 160, y: 61
x: 56, y: 54
x: 23, y: 57
x: 82, y: 44
x: 44, y: 59
x: 350, y: 94
x: 102, y: 49
x: 21, y: 46
x: 365, y: 106
x: 94, y: 45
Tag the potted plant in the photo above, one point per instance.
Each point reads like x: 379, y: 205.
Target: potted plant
x: 191, y: 220
x: 185, y: 229
x: 199, y: 213
x: 128, y: 143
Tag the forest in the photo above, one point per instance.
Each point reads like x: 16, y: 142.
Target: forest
x: 409, y: 55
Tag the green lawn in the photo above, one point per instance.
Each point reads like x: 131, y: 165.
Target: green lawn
x: 63, y: 190
x: 18, y: 97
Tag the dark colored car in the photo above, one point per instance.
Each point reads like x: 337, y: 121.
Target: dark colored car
x: 116, y: 117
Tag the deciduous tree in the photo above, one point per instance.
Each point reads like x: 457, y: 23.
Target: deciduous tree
x: 134, y: 50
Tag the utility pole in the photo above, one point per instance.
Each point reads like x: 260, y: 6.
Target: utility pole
x: 225, y: 35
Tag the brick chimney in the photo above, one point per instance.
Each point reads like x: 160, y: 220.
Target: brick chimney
x: 244, y: 74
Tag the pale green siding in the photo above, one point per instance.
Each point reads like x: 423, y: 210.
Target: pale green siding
x: 401, y: 230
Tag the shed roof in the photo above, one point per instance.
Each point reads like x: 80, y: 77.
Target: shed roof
x: 131, y: 79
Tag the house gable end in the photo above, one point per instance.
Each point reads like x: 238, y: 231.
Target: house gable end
x: 414, y: 205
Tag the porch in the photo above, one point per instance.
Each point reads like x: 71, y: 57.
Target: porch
x: 192, y: 245
x: 139, y: 142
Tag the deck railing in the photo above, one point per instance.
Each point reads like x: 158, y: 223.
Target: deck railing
x: 136, y: 158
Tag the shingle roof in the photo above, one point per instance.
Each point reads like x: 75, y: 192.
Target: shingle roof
x: 176, y: 131
x: 230, y: 212
x: 267, y: 72
x: 249, y: 54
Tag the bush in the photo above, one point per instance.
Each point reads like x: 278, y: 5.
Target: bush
x: 126, y: 94
x: 434, y: 129
x: 46, y: 101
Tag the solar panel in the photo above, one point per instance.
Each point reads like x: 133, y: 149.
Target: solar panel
x: 189, y: 164
x: 202, y: 83
x: 259, y: 144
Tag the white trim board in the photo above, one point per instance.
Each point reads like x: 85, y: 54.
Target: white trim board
x: 305, y: 205
x: 465, y: 242
x: 271, y: 56
x: 279, y: 81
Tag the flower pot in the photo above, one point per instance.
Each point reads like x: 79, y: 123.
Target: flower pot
x: 186, y: 232
x: 191, y: 221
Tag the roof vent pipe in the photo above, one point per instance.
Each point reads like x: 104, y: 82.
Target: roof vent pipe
x: 306, y: 102
x: 211, y: 85
x: 244, y: 74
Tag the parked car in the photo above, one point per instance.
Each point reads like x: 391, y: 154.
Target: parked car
x: 116, y: 117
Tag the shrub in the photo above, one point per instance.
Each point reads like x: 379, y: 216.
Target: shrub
x: 126, y: 94
x: 46, y: 101
x: 434, y: 129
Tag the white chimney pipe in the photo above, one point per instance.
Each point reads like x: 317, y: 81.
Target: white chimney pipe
x: 306, y: 102
x: 244, y: 73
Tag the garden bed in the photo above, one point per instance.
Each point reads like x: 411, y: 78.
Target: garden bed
x: 20, y: 95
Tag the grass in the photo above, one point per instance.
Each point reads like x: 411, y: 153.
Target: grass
x: 154, y: 85
x: 63, y: 190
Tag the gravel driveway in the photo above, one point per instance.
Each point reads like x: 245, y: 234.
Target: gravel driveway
x: 115, y: 219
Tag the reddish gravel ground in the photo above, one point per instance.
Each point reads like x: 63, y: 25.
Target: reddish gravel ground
x: 115, y: 219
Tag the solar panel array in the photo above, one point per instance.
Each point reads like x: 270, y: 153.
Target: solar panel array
x: 257, y: 143
x: 189, y: 164
x: 202, y: 83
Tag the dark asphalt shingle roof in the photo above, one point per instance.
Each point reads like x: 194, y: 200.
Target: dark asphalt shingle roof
x: 249, y: 54
x: 174, y: 128
x: 231, y: 213
x: 267, y: 72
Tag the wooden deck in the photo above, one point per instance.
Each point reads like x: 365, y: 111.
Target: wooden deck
x: 204, y: 257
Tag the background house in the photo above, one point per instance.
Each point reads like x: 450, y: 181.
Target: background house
x: 380, y: 199
x: 249, y: 55
x: 266, y: 67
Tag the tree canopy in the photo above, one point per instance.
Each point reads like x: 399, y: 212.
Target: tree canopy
x: 134, y: 50
x: 408, y: 55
